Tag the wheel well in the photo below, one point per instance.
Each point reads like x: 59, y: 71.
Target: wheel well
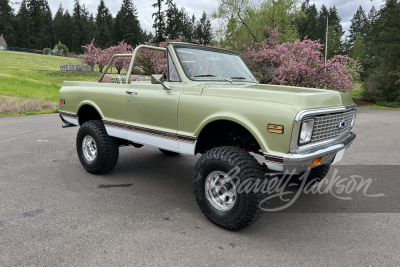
x: 87, y: 113
x: 226, y: 133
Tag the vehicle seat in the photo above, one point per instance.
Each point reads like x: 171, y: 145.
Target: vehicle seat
x: 116, y: 78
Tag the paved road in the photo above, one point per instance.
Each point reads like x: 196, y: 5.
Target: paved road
x: 52, y: 212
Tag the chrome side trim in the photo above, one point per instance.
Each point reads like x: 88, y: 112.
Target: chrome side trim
x: 185, y: 143
x: 69, y: 117
x: 65, y: 113
x: 311, y: 112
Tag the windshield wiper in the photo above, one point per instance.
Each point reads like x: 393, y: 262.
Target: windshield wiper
x: 242, y: 78
x: 213, y: 75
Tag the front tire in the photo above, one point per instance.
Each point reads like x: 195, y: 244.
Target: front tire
x: 217, y: 177
x: 97, y: 151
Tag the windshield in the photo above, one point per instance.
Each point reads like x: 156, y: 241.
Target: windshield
x: 206, y: 64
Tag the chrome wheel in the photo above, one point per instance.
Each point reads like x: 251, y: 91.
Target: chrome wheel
x: 220, y: 191
x: 89, y: 148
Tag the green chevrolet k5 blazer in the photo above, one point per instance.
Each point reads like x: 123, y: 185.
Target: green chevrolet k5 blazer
x: 210, y: 103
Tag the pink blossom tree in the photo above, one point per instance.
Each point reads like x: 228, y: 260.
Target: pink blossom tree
x: 91, y: 54
x: 152, y: 61
x: 298, y: 64
x: 120, y: 62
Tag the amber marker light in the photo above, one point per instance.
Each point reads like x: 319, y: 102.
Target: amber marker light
x: 272, y: 128
x: 316, y: 161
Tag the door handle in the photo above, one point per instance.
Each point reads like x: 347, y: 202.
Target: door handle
x: 131, y: 93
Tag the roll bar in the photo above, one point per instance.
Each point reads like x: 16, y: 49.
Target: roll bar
x: 133, y: 55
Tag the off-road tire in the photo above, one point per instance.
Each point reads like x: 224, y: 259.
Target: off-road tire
x: 316, y: 175
x: 107, y: 148
x: 169, y: 153
x: 246, y: 210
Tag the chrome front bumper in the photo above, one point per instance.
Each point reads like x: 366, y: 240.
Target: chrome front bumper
x: 299, y: 161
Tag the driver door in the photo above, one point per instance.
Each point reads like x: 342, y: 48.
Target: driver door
x: 152, y: 113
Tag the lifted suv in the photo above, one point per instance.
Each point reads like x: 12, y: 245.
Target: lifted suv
x: 211, y: 104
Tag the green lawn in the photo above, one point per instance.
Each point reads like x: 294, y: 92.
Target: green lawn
x: 27, y: 76
x: 36, y: 76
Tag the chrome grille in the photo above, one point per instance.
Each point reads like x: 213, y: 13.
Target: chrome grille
x: 327, y: 126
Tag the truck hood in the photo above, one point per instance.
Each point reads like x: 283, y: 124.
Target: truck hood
x: 302, y: 97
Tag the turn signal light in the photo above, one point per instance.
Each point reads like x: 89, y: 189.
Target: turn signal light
x: 272, y: 128
x: 316, y: 161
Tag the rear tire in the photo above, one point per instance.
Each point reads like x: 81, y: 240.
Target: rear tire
x: 97, y: 151
x: 169, y: 153
x: 217, y: 194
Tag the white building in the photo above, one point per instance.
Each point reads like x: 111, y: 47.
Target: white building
x: 3, y: 44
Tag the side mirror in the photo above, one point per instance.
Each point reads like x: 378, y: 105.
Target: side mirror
x: 159, y: 79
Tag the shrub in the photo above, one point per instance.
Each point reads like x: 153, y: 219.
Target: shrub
x: 389, y: 104
x: 383, y: 85
x: 60, y: 49
x: 47, y: 51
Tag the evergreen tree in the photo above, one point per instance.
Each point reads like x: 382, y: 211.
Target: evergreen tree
x: 104, y: 26
x: 159, y: 21
x: 370, y: 50
x: 92, y: 25
x: 147, y: 36
x: 203, y: 29
x: 23, y: 26
x: 372, y: 16
x: 87, y: 22
x: 38, y: 29
x: 173, y: 27
x: 385, y: 79
x: 58, y: 24
x: 359, y: 24
x: 357, y: 51
x: 127, y: 25
x: 335, y: 20
x: 67, y: 31
x: 186, y: 25
x: 321, y: 23
x: 7, y: 22
x: 335, y: 40
x: 307, y: 25
x: 48, y: 26
x: 83, y: 29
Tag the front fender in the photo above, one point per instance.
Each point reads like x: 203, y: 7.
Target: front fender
x: 195, y: 112
x: 237, y: 118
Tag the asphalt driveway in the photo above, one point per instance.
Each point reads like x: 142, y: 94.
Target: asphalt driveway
x: 54, y: 213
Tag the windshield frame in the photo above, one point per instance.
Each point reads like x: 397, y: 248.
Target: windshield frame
x: 216, y: 51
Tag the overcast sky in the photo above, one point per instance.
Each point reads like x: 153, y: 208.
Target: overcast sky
x: 346, y: 8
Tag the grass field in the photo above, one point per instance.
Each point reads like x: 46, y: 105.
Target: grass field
x: 29, y: 83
